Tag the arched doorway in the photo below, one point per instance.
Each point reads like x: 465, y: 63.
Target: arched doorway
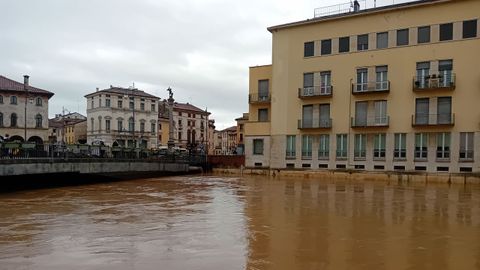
x: 36, y: 140
x: 16, y: 138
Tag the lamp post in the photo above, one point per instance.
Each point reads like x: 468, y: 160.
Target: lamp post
x: 25, y: 87
x: 170, y: 143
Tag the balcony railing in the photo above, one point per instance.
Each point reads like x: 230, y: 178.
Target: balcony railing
x: 315, y: 124
x: 444, y: 119
x: 315, y: 91
x: 256, y: 98
x: 371, y: 87
x: 363, y: 122
x: 434, y: 82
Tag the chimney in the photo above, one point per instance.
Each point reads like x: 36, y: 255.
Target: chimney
x: 25, y: 80
x: 98, y: 89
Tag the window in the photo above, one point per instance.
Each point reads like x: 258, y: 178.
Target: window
x: 1, y: 99
x: 470, y: 29
x: 402, y: 37
x: 344, y: 44
x: 445, y: 68
x: 119, y: 125
x: 361, y: 113
x: 92, y: 124
x: 423, y: 34
x: 290, y: 152
x: 38, y: 101
x: 13, y: 100
x: 381, y: 78
x: 107, y: 125
x: 38, y: 121
x: 446, y: 31
x: 131, y: 105
x: 325, y: 116
x: 107, y: 103
x: 99, y: 123
x: 421, y: 145
x: 99, y: 102
x: 381, y: 117
x: 120, y: 104
x: 262, y: 115
x: 13, y: 120
x: 262, y: 90
x: 152, y: 107
x: 258, y: 146
x: 326, y: 46
x: 142, y: 106
x: 443, y: 145
x: 423, y: 74
x: 325, y: 83
x: 341, y: 146
x: 1, y: 119
x: 142, y: 127
x: 466, y: 145
x: 379, y: 141
x: 360, y: 146
x: 308, y: 89
x: 362, y: 83
x: 307, y: 116
x: 324, y: 146
x: 444, y: 110
x: 421, y: 111
x: 400, y: 150
x: 382, y: 40
x: 179, y: 136
x: 362, y: 42
x: 131, y: 124
x: 92, y: 105
x: 307, y: 142
x: 152, y: 128
x: 308, y: 49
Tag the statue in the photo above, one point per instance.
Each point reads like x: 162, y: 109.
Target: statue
x: 170, y: 93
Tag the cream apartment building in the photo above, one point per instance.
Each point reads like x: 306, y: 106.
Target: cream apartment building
x: 119, y: 116
x: 381, y: 89
x: 23, y: 111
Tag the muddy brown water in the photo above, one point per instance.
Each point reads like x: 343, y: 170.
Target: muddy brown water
x: 216, y: 222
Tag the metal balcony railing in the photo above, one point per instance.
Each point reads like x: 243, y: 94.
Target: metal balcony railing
x: 363, y: 122
x: 371, y: 87
x: 256, y: 98
x: 313, y: 124
x: 444, y: 119
x: 444, y: 81
x: 315, y: 91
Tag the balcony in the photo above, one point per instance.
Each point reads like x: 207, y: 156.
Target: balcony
x: 256, y: 98
x: 315, y: 124
x: 367, y: 122
x: 315, y: 92
x: 434, y: 82
x: 371, y: 87
x: 425, y: 120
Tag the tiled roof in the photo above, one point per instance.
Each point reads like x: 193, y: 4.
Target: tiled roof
x: 231, y: 129
x: 188, y: 107
x: 123, y: 91
x: 7, y: 84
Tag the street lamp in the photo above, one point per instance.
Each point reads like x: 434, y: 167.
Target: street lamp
x: 25, y: 87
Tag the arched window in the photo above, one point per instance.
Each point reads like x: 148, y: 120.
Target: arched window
x: 1, y: 119
x: 131, y: 124
x: 38, y: 121
x: 13, y: 100
x: 38, y: 101
x: 13, y: 120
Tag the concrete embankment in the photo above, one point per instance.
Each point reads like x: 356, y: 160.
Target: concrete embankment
x: 413, y: 177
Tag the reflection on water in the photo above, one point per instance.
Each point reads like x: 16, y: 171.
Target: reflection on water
x: 241, y: 223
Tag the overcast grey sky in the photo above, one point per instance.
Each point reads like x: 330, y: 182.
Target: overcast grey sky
x: 200, y: 48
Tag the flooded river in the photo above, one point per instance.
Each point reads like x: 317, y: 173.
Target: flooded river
x: 213, y: 222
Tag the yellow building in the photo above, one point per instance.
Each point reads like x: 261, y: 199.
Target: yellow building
x: 384, y: 89
x: 240, y: 133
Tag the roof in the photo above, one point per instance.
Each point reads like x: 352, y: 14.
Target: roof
x: 123, y: 91
x: 230, y: 129
x: 58, y: 123
x: 357, y: 13
x: 187, y: 107
x: 7, y: 84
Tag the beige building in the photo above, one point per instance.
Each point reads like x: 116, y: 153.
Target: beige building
x: 22, y: 103
x: 190, y: 125
x: 211, y: 137
x: 228, y: 141
x: 69, y: 128
x: 241, y: 133
x: 382, y: 89
x: 123, y: 117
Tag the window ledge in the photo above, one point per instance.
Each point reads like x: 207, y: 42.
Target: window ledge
x: 466, y: 160
x: 420, y: 160
x: 400, y: 159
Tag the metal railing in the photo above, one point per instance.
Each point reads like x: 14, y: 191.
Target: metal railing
x: 318, y: 123
x: 434, y: 81
x: 433, y: 119
x: 338, y: 9
x: 256, y: 98
x: 371, y: 87
x: 315, y: 91
x: 380, y: 121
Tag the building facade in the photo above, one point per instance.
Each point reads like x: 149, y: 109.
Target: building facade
x: 122, y: 117
x: 240, y: 133
x: 392, y: 88
x: 190, y: 125
x: 68, y: 128
x: 22, y: 103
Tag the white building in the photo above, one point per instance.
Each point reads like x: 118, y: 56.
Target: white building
x: 122, y: 117
x: 20, y: 103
